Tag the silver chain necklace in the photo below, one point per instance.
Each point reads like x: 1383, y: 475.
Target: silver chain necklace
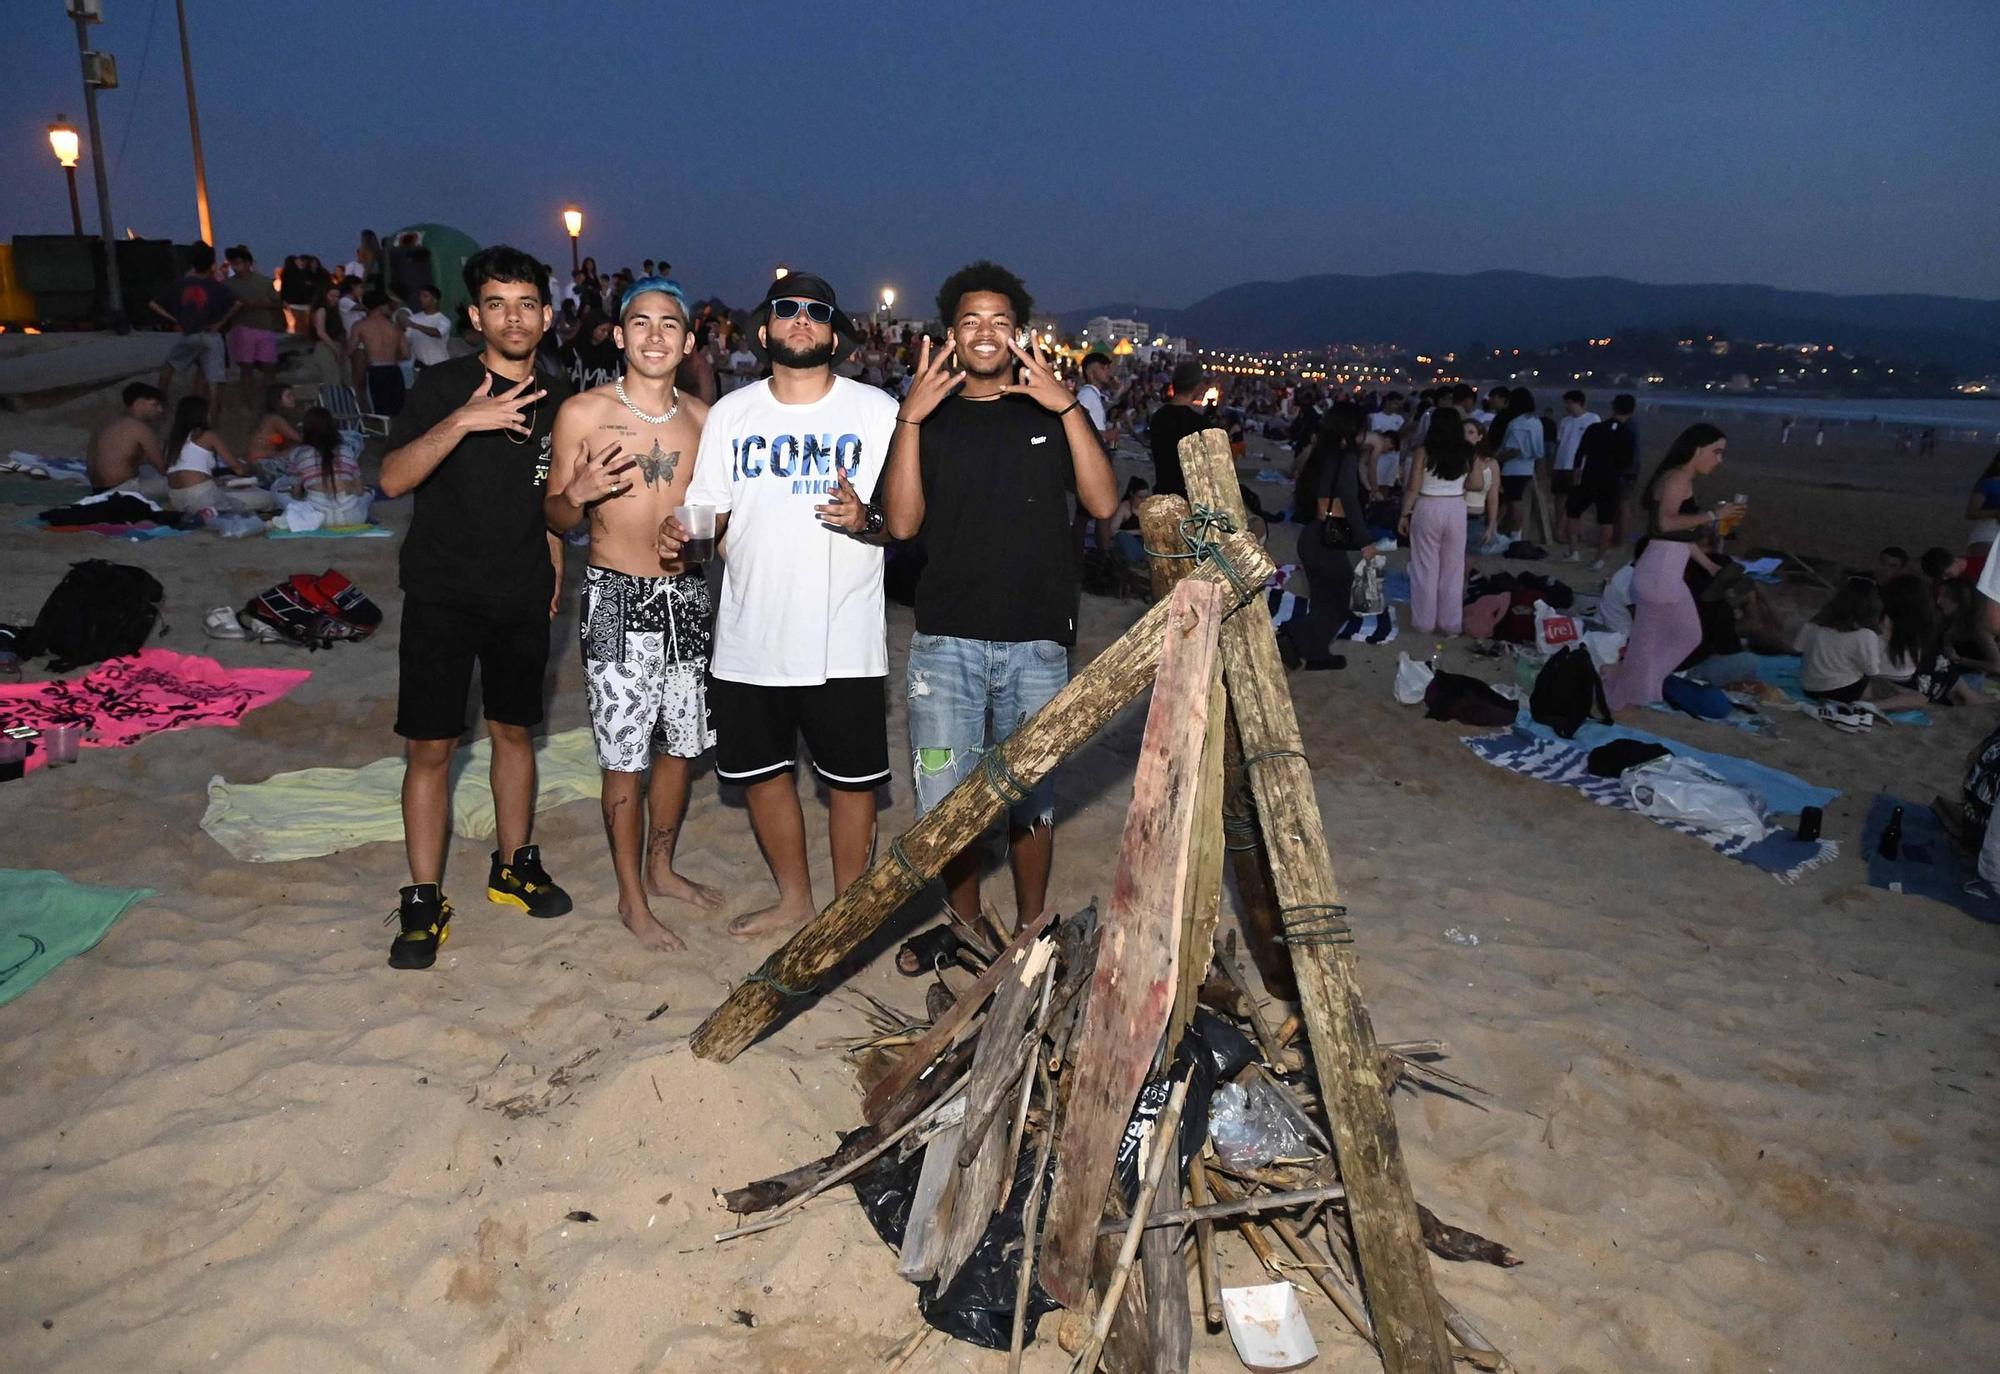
x: 618, y: 385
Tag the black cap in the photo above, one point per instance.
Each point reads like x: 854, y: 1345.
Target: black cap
x: 804, y: 286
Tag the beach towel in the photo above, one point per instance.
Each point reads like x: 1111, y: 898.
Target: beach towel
x: 46, y: 469
x: 122, y: 700
x: 1782, y: 671
x: 1925, y: 864
x: 18, y: 489
x: 1379, y: 628
x: 137, y: 531
x: 1781, y: 854
x: 45, y: 918
x: 1783, y: 794
x: 334, y: 532
x: 324, y: 810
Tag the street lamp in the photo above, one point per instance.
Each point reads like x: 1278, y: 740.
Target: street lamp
x: 573, y: 222
x: 68, y: 148
x: 888, y: 300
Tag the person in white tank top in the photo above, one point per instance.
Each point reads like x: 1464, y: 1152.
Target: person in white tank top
x: 197, y: 448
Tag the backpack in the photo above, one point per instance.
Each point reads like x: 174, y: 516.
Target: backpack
x: 99, y: 610
x: 312, y: 612
x: 1568, y: 693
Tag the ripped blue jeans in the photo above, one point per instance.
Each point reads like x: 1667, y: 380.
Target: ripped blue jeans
x: 966, y: 696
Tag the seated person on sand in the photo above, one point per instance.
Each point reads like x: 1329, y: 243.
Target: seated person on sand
x: 1913, y: 649
x: 275, y: 434
x: 1843, y: 654
x: 196, y: 448
x: 1968, y: 636
x: 324, y: 470
x: 121, y: 446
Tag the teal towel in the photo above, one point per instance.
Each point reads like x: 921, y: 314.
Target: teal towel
x: 45, y: 918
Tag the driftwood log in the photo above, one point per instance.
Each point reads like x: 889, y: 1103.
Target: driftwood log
x: 1401, y: 1294
x: 1133, y: 985
x: 1052, y: 734
x: 1160, y: 530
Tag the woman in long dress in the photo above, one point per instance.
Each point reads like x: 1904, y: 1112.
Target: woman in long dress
x: 1666, y: 627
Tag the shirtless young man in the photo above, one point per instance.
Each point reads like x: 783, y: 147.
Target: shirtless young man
x: 379, y: 347
x: 623, y: 456
x: 120, y: 447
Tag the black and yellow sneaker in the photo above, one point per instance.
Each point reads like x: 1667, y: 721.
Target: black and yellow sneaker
x: 524, y: 883
x: 426, y: 920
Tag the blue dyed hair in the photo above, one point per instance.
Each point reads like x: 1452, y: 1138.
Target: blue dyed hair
x: 665, y: 285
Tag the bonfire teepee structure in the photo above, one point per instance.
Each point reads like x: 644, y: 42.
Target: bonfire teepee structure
x: 1082, y: 1018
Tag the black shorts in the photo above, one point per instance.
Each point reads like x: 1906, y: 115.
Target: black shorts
x: 441, y: 643
x: 1581, y: 499
x: 1561, y: 480
x: 1514, y: 488
x: 845, y: 721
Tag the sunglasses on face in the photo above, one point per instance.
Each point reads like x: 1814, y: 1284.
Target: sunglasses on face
x: 819, y: 312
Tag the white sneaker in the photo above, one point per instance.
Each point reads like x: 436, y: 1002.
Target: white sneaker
x: 1572, y: 557
x: 1598, y: 566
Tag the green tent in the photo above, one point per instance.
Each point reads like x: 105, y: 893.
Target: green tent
x: 448, y: 248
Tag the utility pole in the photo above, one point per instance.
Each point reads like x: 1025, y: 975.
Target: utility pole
x: 194, y: 131
x: 86, y: 13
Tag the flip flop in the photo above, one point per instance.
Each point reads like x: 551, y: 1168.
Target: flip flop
x: 922, y: 955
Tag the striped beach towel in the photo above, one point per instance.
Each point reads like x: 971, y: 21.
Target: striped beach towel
x: 1780, y: 854
x: 1367, y: 629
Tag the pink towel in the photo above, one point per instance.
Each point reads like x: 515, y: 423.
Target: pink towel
x: 122, y: 700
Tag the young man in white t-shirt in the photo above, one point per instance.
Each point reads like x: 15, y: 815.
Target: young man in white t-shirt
x: 788, y: 464
x: 1562, y: 476
x: 428, y: 330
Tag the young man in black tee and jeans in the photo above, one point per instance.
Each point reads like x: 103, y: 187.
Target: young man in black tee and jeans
x: 480, y: 575
x: 986, y: 474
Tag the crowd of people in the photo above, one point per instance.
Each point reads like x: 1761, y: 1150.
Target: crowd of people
x: 606, y: 411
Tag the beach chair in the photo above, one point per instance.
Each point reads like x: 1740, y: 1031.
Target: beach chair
x: 339, y: 398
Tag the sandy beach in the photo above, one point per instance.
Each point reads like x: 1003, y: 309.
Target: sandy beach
x: 1731, y: 1125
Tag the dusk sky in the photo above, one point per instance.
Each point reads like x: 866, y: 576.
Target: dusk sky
x: 1153, y: 152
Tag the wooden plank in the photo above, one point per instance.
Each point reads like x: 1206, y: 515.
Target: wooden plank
x: 1202, y: 902
x: 1169, y: 1322
x: 996, y: 1068
x: 1402, y: 1297
x: 930, y: 1204
x: 1160, y: 530
x: 1131, y: 989
x: 1103, y: 689
x: 938, y: 1038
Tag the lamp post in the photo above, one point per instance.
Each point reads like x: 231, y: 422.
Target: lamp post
x: 194, y: 132
x: 888, y: 302
x: 63, y: 139
x: 96, y: 73
x: 573, y: 222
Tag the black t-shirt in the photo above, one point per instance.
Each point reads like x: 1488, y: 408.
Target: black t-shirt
x: 587, y: 365
x: 478, y: 535
x: 1606, y: 455
x: 1171, y: 424
x: 997, y: 478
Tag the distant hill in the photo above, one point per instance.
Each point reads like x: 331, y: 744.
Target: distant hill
x: 1438, y: 311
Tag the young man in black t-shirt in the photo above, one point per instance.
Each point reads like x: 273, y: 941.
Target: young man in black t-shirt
x: 986, y: 474
x: 1605, y: 455
x: 480, y: 575
x: 1173, y: 422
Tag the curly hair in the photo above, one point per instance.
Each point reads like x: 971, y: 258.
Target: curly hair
x: 983, y: 276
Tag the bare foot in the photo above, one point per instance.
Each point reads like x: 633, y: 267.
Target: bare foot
x: 643, y: 924
x: 771, y: 920
x: 662, y: 881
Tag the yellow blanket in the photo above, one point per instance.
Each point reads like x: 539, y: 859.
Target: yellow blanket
x: 324, y: 810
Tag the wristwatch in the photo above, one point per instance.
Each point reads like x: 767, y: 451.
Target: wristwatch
x: 872, y: 522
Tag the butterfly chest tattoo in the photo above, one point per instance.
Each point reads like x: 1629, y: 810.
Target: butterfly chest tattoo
x: 658, y: 467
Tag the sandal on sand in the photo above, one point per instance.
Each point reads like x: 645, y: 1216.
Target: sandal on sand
x: 922, y: 955
x: 221, y: 623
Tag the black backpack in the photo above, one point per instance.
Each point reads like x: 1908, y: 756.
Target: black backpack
x: 1568, y: 693
x: 99, y: 610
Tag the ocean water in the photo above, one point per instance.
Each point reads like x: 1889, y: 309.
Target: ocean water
x: 1952, y: 417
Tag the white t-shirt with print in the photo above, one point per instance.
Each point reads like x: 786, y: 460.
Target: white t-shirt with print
x: 800, y: 603
x: 1569, y: 433
x: 425, y: 349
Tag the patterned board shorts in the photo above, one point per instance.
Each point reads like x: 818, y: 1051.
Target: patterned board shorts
x: 646, y: 643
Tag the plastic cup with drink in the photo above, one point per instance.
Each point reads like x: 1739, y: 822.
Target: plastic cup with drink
x: 1727, y: 525
x: 699, y: 522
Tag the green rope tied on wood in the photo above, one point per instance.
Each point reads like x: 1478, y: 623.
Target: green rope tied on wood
x: 1315, y: 923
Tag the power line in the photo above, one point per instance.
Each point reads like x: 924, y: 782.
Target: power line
x: 138, y: 86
